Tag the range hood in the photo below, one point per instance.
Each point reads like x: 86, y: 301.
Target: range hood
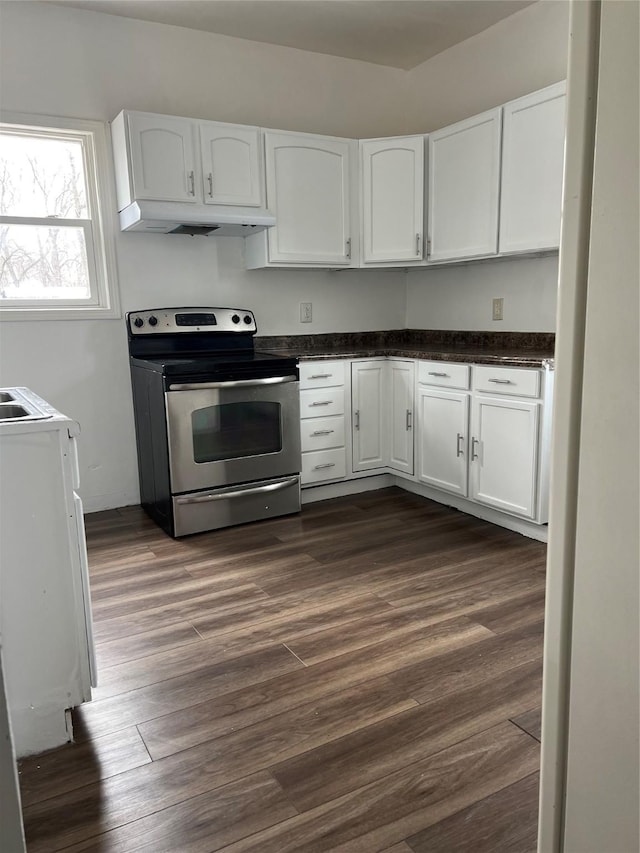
x: 167, y: 217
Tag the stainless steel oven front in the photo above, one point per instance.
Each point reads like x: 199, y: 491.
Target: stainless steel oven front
x: 230, y: 433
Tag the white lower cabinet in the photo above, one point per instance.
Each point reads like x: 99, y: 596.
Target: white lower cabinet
x: 443, y: 418
x: 401, y: 401
x: 322, y: 421
x: 369, y: 414
x: 504, y: 454
x: 480, y: 433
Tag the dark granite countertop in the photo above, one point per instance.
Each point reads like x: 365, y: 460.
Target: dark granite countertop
x: 512, y: 349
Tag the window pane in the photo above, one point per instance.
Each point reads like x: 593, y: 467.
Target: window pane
x: 42, y: 176
x: 43, y: 262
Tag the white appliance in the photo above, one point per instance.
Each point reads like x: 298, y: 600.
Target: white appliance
x: 45, y: 608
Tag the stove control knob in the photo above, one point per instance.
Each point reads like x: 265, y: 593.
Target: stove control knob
x: 153, y: 321
x: 235, y: 319
x: 138, y: 322
x: 247, y: 319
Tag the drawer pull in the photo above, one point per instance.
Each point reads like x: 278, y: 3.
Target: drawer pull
x: 501, y: 381
x: 321, y: 376
x: 474, y: 455
x: 459, y: 438
x: 324, y: 465
x: 322, y: 432
x: 435, y: 373
x: 321, y: 403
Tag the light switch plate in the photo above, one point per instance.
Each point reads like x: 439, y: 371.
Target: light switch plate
x: 306, y: 312
x: 498, y: 309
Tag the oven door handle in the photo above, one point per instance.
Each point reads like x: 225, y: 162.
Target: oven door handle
x: 234, y: 383
x: 238, y: 492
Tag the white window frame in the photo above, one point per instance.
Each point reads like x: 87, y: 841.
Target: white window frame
x: 99, y: 230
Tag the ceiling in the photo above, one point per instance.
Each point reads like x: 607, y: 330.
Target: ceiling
x: 397, y: 33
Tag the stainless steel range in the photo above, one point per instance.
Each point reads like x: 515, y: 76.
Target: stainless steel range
x: 217, y: 422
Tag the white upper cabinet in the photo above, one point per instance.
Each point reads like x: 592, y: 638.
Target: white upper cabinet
x: 464, y: 182
x: 163, y: 157
x: 392, y: 176
x: 168, y: 158
x: 308, y: 190
x: 532, y: 168
x: 230, y: 164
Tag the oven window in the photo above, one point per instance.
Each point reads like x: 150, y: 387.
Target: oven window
x: 233, y: 430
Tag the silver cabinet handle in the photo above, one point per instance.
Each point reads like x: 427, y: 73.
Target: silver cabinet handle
x: 459, y: 438
x: 418, y: 252
x: 210, y: 181
x: 428, y: 246
x: 322, y: 432
x: 347, y: 248
x: 474, y: 442
x: 356, y: 419
x: 501, y: 381
x: 321, y: 376
x: 321, y: 403
x: 192, y: 183
x: 435, y: 373
x: 238, y: 493
x: 324, y: 465
x: 408, y: 422
x: 236, y: 383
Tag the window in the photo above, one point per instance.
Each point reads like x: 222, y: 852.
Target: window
x: 56, y: 206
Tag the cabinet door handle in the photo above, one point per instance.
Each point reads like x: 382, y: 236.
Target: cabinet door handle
x: 321, y: 376
x: 210, y: 181
x: 324, y: 465
x: 347, y: 248
x: 501, y: 381
x: 322, y: 432
x: 409, y: 424
x: 428, y: 246
x: 192, y: 183
x: 418, y: 252
x: 435, y: 373
x: 474, y: 442
x: 459, y: 438
x: 321, y: 403
x: 356, y: 419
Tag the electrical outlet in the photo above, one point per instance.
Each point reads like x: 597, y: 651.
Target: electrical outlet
x: 498, y: 308
x: 306, y: 312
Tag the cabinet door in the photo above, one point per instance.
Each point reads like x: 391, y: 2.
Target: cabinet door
x: 308, y: 190
x: 401, y: 376
x: 464, y: 178
x: 230, y: 164
x: 369, y: 409
x: 163, y: 157
x: 532, y: 167
x: 443, y: 418
x: 504, y: 454
x: 392, y: 173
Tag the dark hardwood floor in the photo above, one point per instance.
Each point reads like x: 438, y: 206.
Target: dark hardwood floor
x: 365, y: 676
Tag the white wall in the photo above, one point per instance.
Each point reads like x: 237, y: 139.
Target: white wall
x: 70, y: 62
x: 519, y: 54
x: 603, y: 792
x: 460, y: 296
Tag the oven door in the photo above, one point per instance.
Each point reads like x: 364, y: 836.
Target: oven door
x: 222, y: 433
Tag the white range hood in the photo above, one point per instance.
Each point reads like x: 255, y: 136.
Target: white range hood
x: 162, y: 217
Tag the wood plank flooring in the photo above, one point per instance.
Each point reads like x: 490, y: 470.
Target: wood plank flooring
x: 364, y: 676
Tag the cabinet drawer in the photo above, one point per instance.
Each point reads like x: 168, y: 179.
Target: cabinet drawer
x: 316, y: 403
x: 324, y: 374
x: 323, y: 465
x: 322, y: 433
x: 443, y: 374
x: 515, y: 381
